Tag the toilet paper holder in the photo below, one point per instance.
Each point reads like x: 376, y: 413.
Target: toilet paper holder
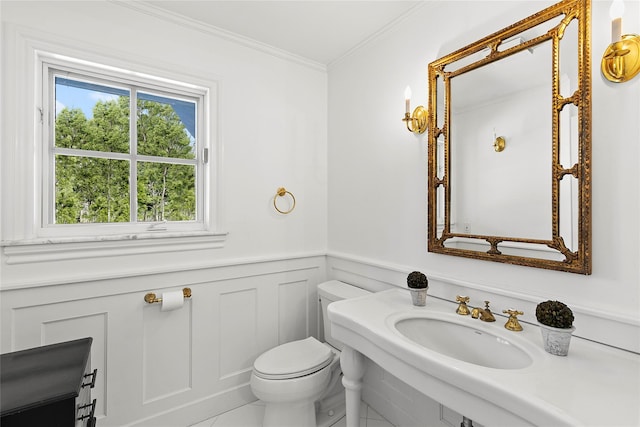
x: 152, y: 298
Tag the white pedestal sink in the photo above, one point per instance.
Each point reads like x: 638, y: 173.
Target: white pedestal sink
x: 481, y: 370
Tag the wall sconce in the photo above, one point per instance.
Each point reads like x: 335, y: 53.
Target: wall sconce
x: 499, y: 143
x: 416, y: 122
x: 621, y: 60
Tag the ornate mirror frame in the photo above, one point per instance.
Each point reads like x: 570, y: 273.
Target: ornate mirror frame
x: 441, y: 235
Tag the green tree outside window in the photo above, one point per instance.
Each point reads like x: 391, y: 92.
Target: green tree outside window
x: 92, y: 185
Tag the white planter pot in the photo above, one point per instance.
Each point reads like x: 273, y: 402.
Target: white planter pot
x: 419, y: 296
x: 556, y: 341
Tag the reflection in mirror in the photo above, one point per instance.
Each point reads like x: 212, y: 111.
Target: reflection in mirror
x: 509, y: 144
x: 483, y: 197
x: 569, y: 184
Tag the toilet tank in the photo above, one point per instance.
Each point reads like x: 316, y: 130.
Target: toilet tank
x: 331, y: 291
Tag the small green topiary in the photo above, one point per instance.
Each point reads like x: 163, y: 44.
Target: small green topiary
x: 555, y: 314
x: 417, y: 280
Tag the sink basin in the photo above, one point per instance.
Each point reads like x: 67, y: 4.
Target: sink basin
x: 464, y: 342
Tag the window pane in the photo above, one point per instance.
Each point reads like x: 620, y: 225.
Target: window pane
x: 166, y: 192
x: 91, y: 190
x: 166, y: 127
x: 90, y: 116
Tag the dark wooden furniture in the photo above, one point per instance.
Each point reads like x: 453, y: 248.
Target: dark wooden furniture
x: 48, y: 386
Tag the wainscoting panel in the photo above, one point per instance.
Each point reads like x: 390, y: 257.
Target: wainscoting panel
x: 171, y: 368
x: 166, y: 355
x: 293, y: 305
x: 238, y: 328
x: 52, y: 323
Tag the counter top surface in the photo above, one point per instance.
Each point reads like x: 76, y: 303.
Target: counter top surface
x: 42, y: 375
x: 595, y: 385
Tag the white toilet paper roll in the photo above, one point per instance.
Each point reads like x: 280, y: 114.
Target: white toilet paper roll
x: 172, y: 300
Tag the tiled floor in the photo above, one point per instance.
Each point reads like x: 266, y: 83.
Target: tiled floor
x: 251, y: 416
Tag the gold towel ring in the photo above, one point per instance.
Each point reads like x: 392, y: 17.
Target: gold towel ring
x: 281, y: 192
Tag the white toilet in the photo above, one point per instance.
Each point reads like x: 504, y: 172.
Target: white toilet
x: 300, y: 381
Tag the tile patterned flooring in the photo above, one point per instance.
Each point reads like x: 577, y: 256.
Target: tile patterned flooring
x: 250, y: 415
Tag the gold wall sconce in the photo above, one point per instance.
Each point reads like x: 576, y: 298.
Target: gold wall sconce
x: 499, y: 143
x: 416, y: 122
x: 621, y: 60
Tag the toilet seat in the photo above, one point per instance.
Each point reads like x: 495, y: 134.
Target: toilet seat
x: 293, y: 360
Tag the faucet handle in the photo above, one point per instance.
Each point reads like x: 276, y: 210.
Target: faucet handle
x: 462, y: 308
x: 512, y: 323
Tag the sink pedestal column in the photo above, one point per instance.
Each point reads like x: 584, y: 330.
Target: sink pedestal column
x: 352, y: 363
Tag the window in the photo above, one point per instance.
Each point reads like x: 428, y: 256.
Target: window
x: 123, y: 152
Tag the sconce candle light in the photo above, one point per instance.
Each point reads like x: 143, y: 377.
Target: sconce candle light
x: 416, y: 122
x: 621, y: 60
x: 615, y: 12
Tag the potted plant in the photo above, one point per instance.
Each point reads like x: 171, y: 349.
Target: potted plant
x: 418, y: 284
x: 556, y: 325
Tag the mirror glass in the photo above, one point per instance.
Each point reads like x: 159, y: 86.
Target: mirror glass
x: 509, y: 135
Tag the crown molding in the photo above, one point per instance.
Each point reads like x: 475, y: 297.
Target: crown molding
x: 193, y: 24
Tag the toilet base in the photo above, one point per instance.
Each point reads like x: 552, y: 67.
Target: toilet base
x: 330, y: 410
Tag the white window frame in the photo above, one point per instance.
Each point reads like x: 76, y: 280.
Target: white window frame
x: 22, y: 238
x: 50, y: 65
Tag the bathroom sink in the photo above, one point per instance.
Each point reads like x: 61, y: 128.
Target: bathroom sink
x: 464, y: 342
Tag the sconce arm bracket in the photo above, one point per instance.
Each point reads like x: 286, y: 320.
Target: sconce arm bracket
x: 621, y: 60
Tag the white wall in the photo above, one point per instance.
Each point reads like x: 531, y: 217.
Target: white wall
x: 267, y: 133
x: 171, y: 368
x: 378, y: 195
x: 378, y: 173
x: 254, y: 292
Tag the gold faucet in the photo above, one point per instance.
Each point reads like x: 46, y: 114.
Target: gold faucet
x: 486, y: 315
x: 462, y: 308
x: 512, y: 323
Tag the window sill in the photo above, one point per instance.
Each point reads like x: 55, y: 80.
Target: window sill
x: 59, y: 249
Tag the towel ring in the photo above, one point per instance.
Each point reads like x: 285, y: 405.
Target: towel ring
x: 281, y: 192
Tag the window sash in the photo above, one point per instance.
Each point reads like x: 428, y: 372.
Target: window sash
x: 149, y: 90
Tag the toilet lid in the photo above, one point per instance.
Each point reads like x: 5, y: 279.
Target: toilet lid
x: 294, y: 359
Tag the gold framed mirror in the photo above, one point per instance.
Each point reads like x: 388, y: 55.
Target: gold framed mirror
x: 510, y: 144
